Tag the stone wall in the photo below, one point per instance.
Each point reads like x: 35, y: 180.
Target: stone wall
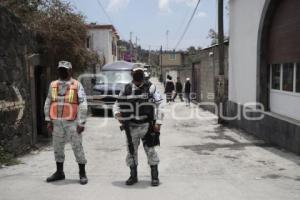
x: 15, y: 100
x: 206, y: 69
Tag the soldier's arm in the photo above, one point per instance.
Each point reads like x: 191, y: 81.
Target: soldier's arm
x: 159, y: 114
x: 47, y: 105
x: 83, y: 107
x: 116, y: 106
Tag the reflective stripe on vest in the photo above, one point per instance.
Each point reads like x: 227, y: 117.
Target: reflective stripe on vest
x: 69, y: 105
x: 54, y: 93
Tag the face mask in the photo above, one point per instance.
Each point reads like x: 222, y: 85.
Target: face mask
x: 63, y: 73
x: 138, y: 76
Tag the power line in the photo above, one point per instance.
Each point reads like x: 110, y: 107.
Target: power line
x: 167, y: 34
x: 106, y: 14
x: 188, y: 25
x: 183, y: 20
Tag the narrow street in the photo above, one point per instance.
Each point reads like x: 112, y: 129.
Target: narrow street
x: 199, y: 160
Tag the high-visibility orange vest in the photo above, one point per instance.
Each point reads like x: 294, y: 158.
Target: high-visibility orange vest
x: 70, y: 104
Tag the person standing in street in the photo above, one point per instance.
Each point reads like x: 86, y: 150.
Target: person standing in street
x: 187, y: 92
x: 178, y: 90
x: 66, y: 113
x: 169, y: 88
x: 138, y: 109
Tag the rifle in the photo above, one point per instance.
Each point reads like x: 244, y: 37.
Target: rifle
x: 125, y: 127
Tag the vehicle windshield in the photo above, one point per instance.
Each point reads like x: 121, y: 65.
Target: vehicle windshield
x: 112, y: 77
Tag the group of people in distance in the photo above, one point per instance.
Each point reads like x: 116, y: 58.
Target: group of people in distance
x: 173, y: 90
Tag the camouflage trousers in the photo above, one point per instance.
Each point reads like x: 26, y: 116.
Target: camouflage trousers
x: 63, y: 132
x: 138, y: 131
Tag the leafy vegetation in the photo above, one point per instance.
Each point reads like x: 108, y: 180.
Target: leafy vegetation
x: 60, y: 30
x: 213, y: 35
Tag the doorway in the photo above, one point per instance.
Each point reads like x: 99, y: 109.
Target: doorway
x: 41, y: 90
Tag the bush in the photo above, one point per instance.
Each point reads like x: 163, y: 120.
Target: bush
x: 60, y: 31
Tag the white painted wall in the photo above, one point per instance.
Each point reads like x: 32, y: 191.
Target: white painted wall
x: 172, y: 73
x: 285, y: 103
x: 244, y: 23
x: 102, y: 43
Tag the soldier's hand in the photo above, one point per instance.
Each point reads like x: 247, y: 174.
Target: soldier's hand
x: 50, y: 127
x: 157, y: 127
x: 80, y: 129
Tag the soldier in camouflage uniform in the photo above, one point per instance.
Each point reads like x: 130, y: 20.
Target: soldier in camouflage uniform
x: 66, y: 113
x: 141, y: 91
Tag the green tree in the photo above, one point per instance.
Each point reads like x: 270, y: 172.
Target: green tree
x: 213, y: 35
x: 192, y: 50
x: 60, y: 31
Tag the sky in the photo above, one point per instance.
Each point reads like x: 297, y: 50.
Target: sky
x: 150, y: 20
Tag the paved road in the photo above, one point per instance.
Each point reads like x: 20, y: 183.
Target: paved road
x: 199, y: 160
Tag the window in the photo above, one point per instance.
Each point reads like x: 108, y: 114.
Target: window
x: 113, y: 77
x: 172, y: 56
x: 88, y: 42
x: 288, y: 77
x: 298, y: 78
x: 276, y: 77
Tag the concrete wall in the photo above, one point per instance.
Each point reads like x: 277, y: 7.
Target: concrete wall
x: 276, y: 130
x: 16, y: 130
x: 245, y: 22
x: 245, y: 18
x: 101, y: 42
x: 181, y: 71
x: 208, y: 70
x: 167, y: 61
x: 285, y: 103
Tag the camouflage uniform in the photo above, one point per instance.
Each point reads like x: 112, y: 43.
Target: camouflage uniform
x: 138, y: 131
x: 66, y: 131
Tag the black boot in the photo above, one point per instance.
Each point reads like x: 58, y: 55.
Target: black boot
x: 133, y: 176
x: 154, y: 175
x: 82, y: 174
x: 59, y: 174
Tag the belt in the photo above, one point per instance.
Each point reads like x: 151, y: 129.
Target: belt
x: 140, y: 121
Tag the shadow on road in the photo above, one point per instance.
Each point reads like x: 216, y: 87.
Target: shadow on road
x: 65, y: 182
x: 221, y: 133
x: 140, y: 185
x: 102, y: 113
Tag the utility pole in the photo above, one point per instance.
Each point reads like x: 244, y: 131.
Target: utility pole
x: 130, y: 46
x: 221, y: 35
x: 136, y: 46
x: 161, y: 75
x: 220, y: 81
x: 167, y: 33
x: 136, y: 40
x: 149, y: 55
